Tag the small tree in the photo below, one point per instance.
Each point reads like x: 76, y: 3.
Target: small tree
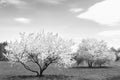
x: 105, y: 58
x: 41, y: 49
x: 93, y: 52
x: 117, y: 53
x: 3, y: 51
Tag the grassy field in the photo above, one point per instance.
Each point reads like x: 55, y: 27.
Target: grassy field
x: 8, y: 72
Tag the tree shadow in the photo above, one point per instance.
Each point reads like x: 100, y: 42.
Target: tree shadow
x: 95, y: 67
x: 114, y: 78
x: 44, y: 77
x: 19, y: 77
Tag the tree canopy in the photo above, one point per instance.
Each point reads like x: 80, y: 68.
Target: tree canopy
x: 41, y: 49
x: 94, y: 52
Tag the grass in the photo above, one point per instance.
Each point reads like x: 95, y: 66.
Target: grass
x: 7, y: 72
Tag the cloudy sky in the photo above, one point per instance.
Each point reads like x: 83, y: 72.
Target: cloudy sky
x: 75, y: 19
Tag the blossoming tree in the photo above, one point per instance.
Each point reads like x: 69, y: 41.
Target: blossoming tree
x: 41, y: 49
x: 94, y: 52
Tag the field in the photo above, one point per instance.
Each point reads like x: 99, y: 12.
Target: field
x: 8, y: 72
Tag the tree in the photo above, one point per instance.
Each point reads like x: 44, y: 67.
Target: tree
x: 3, y: 51
x: 41, y: 49
x: 106, y: 57
x: 78, y: 58
x: 117, y: 53
x: 94, y: 52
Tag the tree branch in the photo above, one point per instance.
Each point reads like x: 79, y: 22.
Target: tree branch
x: 28, y: 68
x: 34, y: 59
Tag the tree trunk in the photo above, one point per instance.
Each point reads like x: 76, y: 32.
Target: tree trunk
x: 90, y: 64
x: 43, y: 68
x: 100, y: 65
x: 41, y: 73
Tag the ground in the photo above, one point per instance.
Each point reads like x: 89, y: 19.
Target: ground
x: 13, y: 72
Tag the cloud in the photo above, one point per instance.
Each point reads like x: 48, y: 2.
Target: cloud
x: 21, y: 3
x: 52, y: 1
x: 106, y: 12
x: 17, y: 3
x: 76, y: 10
x: 14, y: 2
x: 22, y: 20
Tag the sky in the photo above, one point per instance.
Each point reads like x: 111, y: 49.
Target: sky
x: 76, y: 19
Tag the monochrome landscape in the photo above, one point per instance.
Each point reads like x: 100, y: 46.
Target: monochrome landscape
x: 59, y: 40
